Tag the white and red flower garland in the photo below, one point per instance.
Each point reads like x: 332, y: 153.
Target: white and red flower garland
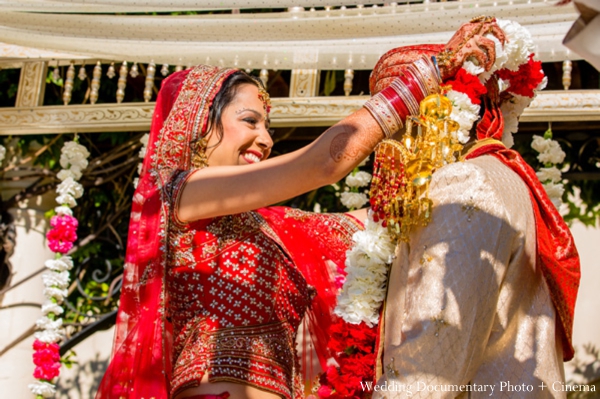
x: 60, y: 238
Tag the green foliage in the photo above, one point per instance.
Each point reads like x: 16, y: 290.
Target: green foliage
x: 586, y: 372
x: 69, y: 359
x: 51, y: 79
x: 9, y: 85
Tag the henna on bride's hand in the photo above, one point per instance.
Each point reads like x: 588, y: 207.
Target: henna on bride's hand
x: 351, y: 144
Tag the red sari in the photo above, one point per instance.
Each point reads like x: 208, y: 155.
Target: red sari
x: 159, y: 313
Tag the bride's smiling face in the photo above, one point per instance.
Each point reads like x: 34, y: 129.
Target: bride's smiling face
x: 245, y: 131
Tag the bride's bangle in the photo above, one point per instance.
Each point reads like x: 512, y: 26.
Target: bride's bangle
x: 391, y: 106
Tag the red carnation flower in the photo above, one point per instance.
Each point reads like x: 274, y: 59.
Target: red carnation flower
x: 466, y: 83
x: 524, y: 81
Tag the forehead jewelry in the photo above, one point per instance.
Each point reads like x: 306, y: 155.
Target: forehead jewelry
x: 266, y: 100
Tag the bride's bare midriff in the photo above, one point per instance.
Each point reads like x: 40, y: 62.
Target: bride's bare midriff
x: 236, y: 391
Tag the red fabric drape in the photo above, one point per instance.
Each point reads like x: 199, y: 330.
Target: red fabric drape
x: 557, y: 256
x: 313, y: 240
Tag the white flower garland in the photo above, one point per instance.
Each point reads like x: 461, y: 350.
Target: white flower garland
x: 353, y: 199
x: 56, y: 279
x: 141, y: 154
x: 550, y: 154
x: 2, y: 153
x: 367, y: 265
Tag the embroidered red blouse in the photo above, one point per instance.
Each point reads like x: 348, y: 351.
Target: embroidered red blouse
x: 236, y: 299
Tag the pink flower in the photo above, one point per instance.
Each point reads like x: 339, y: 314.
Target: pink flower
x: 47, y: 359
x: 47, y: 372
x: 62, y: 234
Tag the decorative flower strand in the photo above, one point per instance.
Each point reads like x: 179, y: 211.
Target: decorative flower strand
x: 141, y: 154
x: 60, y: 238
x: 352, y: 198
x: 550, y: 154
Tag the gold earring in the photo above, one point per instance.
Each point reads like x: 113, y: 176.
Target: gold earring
x: 199, y: 158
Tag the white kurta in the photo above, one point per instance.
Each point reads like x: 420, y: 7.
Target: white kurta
x: 466, y: 304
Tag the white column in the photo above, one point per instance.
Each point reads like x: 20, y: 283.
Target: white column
x: 16, y: 314
x: 586, y: 329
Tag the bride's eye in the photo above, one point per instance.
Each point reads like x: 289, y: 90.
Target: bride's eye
x: 251, y: 121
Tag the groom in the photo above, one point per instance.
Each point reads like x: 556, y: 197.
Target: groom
x: 480, y: 301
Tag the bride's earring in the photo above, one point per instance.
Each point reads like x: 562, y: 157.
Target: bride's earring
x: 199, y: 158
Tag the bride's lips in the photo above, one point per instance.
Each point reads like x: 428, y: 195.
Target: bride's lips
x: 251, y: 156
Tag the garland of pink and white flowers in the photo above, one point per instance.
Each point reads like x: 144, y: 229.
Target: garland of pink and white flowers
x: 60, y: 238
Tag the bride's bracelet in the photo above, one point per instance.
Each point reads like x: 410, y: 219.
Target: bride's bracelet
x: 391, y: 106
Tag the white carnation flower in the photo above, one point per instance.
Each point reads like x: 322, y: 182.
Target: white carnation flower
x: 48, y: 336
x: 56, y: 279
x: 51, y: 307
x: 43, y: 388
x: 540, y: 144
x: 359, y: 179
x: 45, y: 323
x: 63, y: 210
x: 512, y: 110
x: 56, y: 293
x: 471, y: 68
x: 66, y: 199
x: 74, y: 154
x: 2, y: 153
x: 353, y: 200
x: 375, y: 242
x: 553, y: 154
x: 63, y: 263
x: 549, y: 174
x: 518, y: 46
x: 66, y: 173
x: 555, y: 192
x: 144, y: 141
x: 71, y: 187
x: 464, y: 112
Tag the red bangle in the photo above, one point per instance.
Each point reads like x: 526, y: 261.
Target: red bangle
x: 396, y: 101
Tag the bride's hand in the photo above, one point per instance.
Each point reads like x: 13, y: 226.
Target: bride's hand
x: 469, y: 42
